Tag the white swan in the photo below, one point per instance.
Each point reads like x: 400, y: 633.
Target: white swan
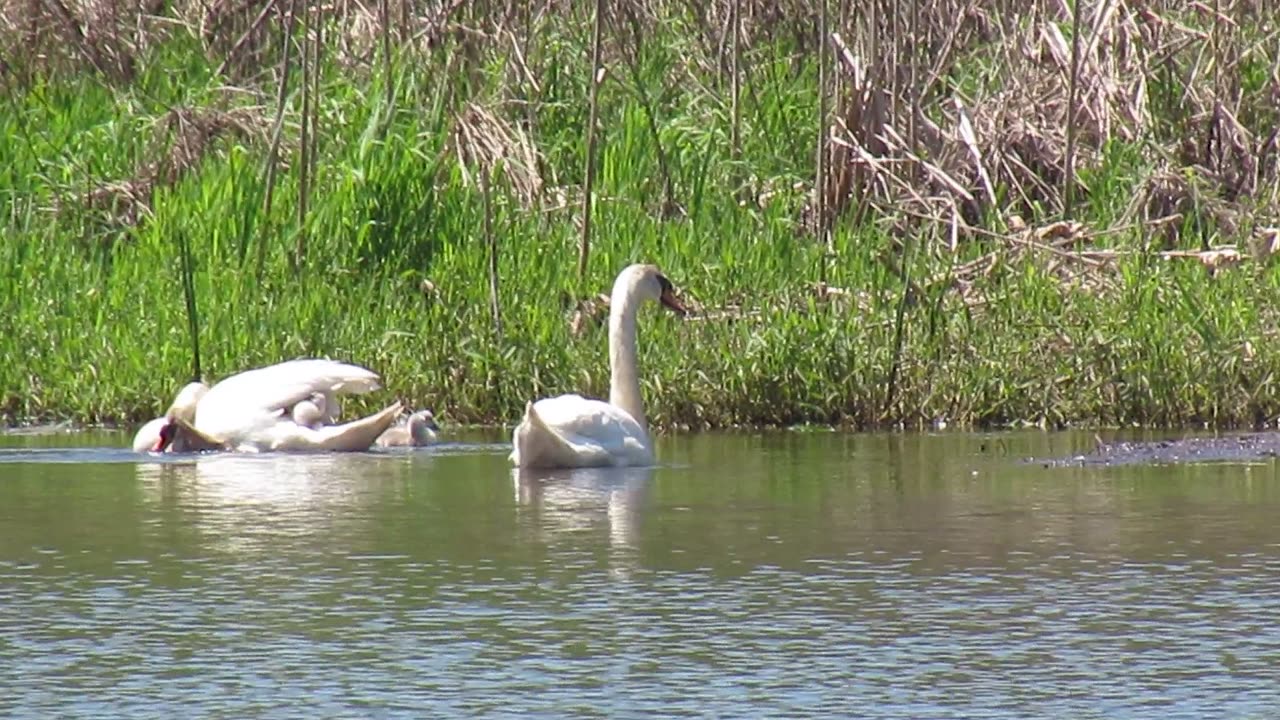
x: 573, y: 431
x: 256, y: 410
x: 420, y: 429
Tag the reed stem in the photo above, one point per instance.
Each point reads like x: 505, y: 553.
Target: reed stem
x: 1073, y: 89
x: 491, y: 242
x: 273, y: 152
x: 187, y: 271
x: 584, y: 245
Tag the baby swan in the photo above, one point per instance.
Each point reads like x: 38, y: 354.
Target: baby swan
x: 420, y: 429
x: 311, y: 412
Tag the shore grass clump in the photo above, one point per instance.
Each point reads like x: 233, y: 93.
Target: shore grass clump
x: 979, y: 213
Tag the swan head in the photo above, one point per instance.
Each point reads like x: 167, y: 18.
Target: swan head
x: 311, y: 412
x: 148, y: 437
x: 158, y: 434
x: 423, y: 427
x: 647, y: 282
x: 164, y: 434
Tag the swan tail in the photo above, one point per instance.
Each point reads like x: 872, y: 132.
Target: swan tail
x: 359, y: 434
x: 533, y: 419
x: 520, y: 450
x: 537, y: 445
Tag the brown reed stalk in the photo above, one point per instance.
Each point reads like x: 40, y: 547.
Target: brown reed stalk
x: 273, y: 152
x: 491, y: 242
x: 913, y: 69
x: 72, y: 28
x: 234, y: 52
x: 304, y: 139
x: 669, y: 205
x: 900, y: 325
x: 1073, y: 88
x: 735, y: 81
x: 317, y: 62
x: 820, y: 172
x: 584, y: 244
x: 384, y: 6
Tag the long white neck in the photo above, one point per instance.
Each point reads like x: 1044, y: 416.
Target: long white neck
x: 184, y: 405
x: 624, y: 387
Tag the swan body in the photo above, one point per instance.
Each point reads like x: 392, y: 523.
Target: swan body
x: 258, y: 410
x: 572, y: 431
x: 420, y: 429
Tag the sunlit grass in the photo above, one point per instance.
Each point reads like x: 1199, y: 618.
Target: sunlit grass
x: 94, y: 322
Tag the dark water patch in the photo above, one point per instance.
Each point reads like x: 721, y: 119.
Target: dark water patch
x: 1250, y: 447
x: 86, y: 456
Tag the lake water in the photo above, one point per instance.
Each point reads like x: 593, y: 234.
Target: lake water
x: 752, y: 575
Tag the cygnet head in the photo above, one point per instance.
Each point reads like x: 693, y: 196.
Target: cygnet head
x: 310, y: 412
x: 646, y: 282
x: 423, y: 427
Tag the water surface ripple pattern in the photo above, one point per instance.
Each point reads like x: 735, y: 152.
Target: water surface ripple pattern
x: 749, y: 575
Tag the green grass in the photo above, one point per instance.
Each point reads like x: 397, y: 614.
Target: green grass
x: 94, y: 325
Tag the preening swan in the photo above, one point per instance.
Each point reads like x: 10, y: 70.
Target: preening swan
x: 180, y: 416
x: 420, y: 429
x: 259, y: 410
x: 573, y: 431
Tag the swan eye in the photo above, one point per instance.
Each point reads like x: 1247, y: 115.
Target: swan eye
x: 665, y: 284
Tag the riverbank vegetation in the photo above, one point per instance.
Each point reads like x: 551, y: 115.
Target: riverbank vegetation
x: 1014, y: 211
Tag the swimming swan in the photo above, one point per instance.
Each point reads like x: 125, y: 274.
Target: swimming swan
x: 573, y: 431
x: 256, y: 410
x: 420, y: 429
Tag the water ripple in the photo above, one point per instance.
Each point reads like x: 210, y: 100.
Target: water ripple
x: 411, y: 584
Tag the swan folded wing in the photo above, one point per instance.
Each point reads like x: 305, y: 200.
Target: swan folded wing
x: 571, y: 430
x: 584, y: 416
x: 256, y: 398
x: 288, y: 382
x: 284, y: 434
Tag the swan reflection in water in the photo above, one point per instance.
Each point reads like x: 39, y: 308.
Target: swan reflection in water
x: 253, y: 502
x: 564, y: 502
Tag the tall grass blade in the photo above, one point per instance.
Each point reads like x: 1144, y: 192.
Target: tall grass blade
x: 188, y: 272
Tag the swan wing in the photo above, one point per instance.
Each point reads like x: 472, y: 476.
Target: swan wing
x: 573, y: 431
x: 353, y: 436
x: 251, y: 402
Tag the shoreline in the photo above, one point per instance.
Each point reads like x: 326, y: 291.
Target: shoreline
x: 419, y: 209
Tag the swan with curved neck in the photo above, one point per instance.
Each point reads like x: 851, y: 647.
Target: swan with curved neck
x: 286, y: 406
x: 171, y: 431
x: 573, y: 431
